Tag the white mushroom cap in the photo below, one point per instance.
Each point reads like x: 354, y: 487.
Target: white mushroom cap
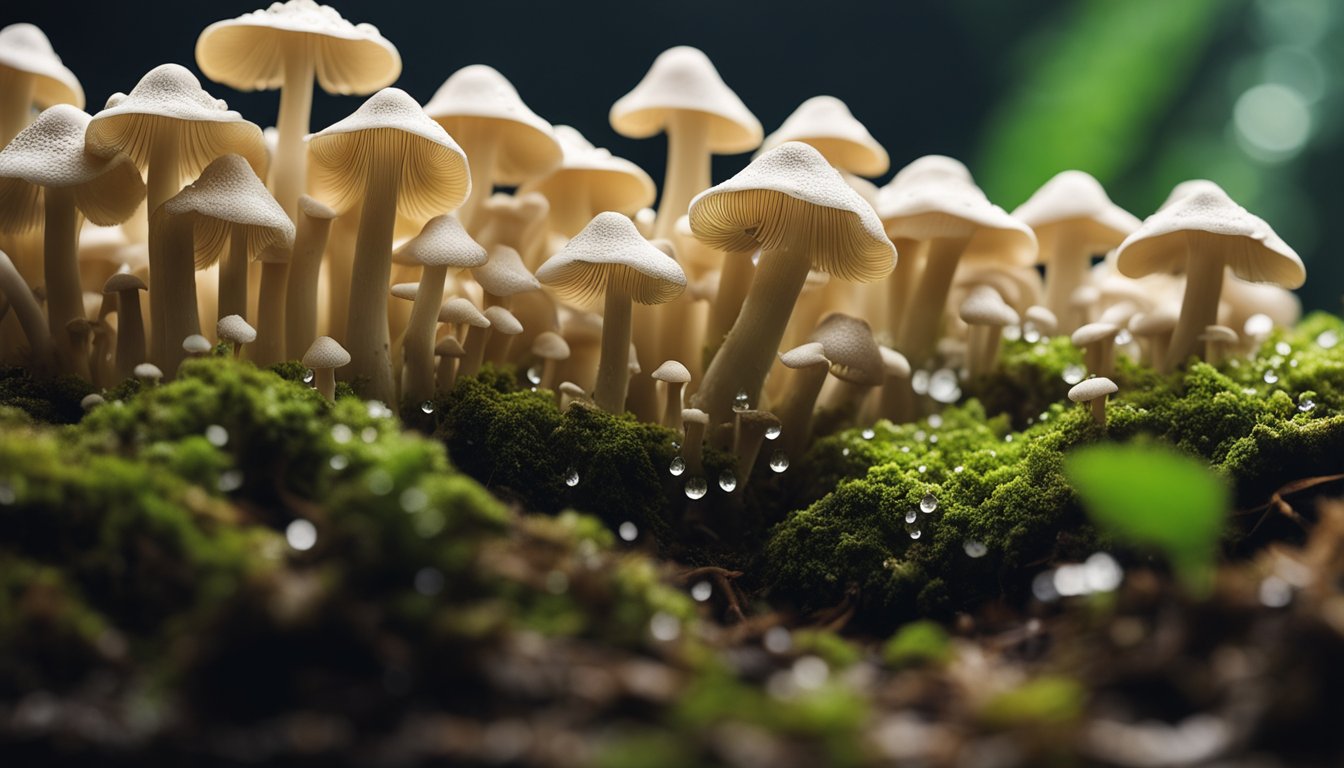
x: 442, y: 242
x: 503, y: 321
x: 229, y: 196
x: 325, y: 352
x: 1156, y: 321
x: 849, y: 346
x: 826, y: 123
x: 196, y: 344
x: 50, y: 153
x: 550, y: 345
x: 460, y: 310
x: 1219, y: 333
x: 170, y: 98
x: 1041, y: 317
x: 929, y: 165
x: 794, y: 182
x: 984, y: 306
x: 933, y: 205
x: 341, y: 152
x: 147, y: 371
x: 504, y: 274
x: 672, y: 372
x: 694, y: 416
x: 1092, y: 333
x: 614, y: 183
x: 1187, y: 188
x: 611, y: 248
x: 805, y: 356
x: 124, y: 281
x: 477, y: 93
x: 248, y: 53
x: 1076, y: 200
x: 1088, y: 390
x: 24, y: 48
x: 405, y: 291
x: 449, y: 346
x: 235, y: 330
x: 91, y: 401
x: 682, y: 78
x: 894, y: 364
x: 570, y: 389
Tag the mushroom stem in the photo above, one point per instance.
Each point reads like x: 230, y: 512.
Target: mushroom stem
x: 900, y: 284
x: 233, y: 276
x: 446, y: 374
x: 1067, y: 265
x: 613, y: 367
x: 919, y: 330
x: 29, y: 315
x: 417, y: 348
x: 473, y: 350
x: 795, y: 410
x: 324, y: 381
x: 982, y: 352
x: 171, y: 247
x: 743, y: 361
x: 1099, y: 410
x: 289, y: 167
x: 340, y: 266
x: 482, y: 147
x: 366, y: 331
x: 897, y: 401
x: 162, y: 182
x: 734, y: 283
x: 16, y: 102
x: 305, y: 266
x: 269, y: 347
x: 688, y: 168
x: 572, y: 211
x: 548, y: 371
x: 65, y: 298
x: 672, y: 410
x: 1199, y: 308
x: 130, y: 334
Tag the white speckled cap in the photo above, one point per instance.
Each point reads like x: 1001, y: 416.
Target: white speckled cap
x: 929, y: 165
x: 504, y: 274
x: 443, y: 242
x: 502, y: 321
x: 460, y: 310
x: 1075, y: 200
x: 389, y: 121
x: 1189, y: 187
x: 672, y: 372
x: 683, y: 79
x: 934, y: 205
x: 613, y: 183
x: 248, y: 53
x: 826, y: 123
x: 611, y: 249
x: 196, y: 344
x: 326, y: 352
x: 170, y: 99
x: 235, y: 330
x: 51, y: 153
x: 790, y: 190
x: 227, y: 199
x: 984, y: 306
x: 1248, y: 245
x: 480, y: 95
x: 1088, y: 390
x: 24, y: 48
x: 147, y: 371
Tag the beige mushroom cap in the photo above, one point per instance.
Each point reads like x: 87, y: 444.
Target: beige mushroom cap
x: 792, y: 182
x: 1093, y: 332
x: 1076, y: 200
x: 51, y: 153
x: 449, y: 346
x: 460, y: 310
x: 340, y: 154
x: 1156, y: 321
x: 826, y: 123
x: 228, y: 196
x: 805, y: 356
x: 894, y: 364
x: 694, y: 416
x: 504, y: 273
x: 248, y: 53
x: 614, y: 183
x: 196, y: 344
x: 235, y: 330
x: 405, y: 291
x: 503, y: 321
x: 937, y: 205
x: 25, y: 48
x: 550, y: 345
x: 611, y: 248
x: 1189, y: 187
x: 683, y: 79
x: 325, y: 352
x: 479, y: 93
x: 672, y: 372
x: 442, y: 242
x: 1088, y: 390
x: 170, y: 98
x: 1220, y: 333
x: 849, y: 346
x: 984, y: 306
x: 1249, y: 246
x: 124, y: 281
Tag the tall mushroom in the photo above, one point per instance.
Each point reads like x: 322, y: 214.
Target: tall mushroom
x: 305, y: 266
x: 590, y: 180
x: 609, y: 257
x: 31, y: 74
x: 1204, y: 233
x: 388, y: 156
x: 130, y: 325
x: 48, y: 179
x: 286, y: 46
x: 793, y: 205
x: 674, y: 376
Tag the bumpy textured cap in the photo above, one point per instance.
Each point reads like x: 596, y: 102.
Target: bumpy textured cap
x: 984, y: 306
x: 314, y: 208
x: 611, y: 249
x: 672, y: 372
x: 550, y: 345
x: 479, y: 94
x: 1088, y: 390
x: 443, y: 242
x: 124, y: 281
x: 50, y: 153
x: 196, y: 344
x: 848, y: 344
x: 326, y: 352
x: 229, y: 200
x: 792, y: 191
x: 437, y: 179
x: 460, y: 310
x: 1076, y: 200
x: 405, y: 291
x: 805, y: 356
x: 504, y: 274
x: 1189, y: 187
x: 934, y: 205
x: 826, y: 123
x: 248, y: 53
x: 1092, y: 333
x: 927, y: 166
x: 1247, y: 244
x: 502, y: 321
x: 235, y: 330
x: 24, y: 48
x: 683, y: 79
x: 613, y: 183
x: 170, y: 99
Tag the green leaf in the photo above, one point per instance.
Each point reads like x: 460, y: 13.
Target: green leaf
x: 1152, y: 496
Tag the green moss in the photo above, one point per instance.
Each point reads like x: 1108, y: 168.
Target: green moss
x: 918, y: 643
x: 49, y: 637
x: 54, y: 400
x: 1046, y: 700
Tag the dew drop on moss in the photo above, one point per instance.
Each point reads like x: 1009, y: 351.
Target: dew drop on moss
x: 915, y: 533
x: 572, y: 478
x: 308, y: 376
x: 728, y: 481
x: 217, y: 435
x: 342, y: 433
x: 779, y: 462
x: 696, y: 488
x: 677, y: 467
x: 911, y: 516
x: 1327, y: 340
x: 339, y: 462
x: 1306, y: 405
x: 772, y: 432
x: 301, y: 535
x: 1271, y: 377
x: 943, y: 386
x: 427, y: 406
x: 534, y: 375
x: 867, y: 434
x: 369, y: 434
x: 928, y: 504
x: 1073, y: 374
x: 974, y: 549
x: 1283, y: 348
x: 741, y: 401
x: 628, y: 531
x: 701, y: 591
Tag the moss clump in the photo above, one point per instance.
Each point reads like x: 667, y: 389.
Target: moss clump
x: 53, y: 400
x: 49, y: 637
x: 918, y: 643
x: 1028, y: 380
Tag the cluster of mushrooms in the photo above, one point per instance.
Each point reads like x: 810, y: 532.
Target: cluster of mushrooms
x: 376, y: 249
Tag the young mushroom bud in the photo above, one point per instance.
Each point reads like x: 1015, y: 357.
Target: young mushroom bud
x: 148, y: 373
x: 1153, y: 330
x: 1097, y: 340
x: 1218, y: 341
x: 675, y: 376
x: 571, y: 393
x: 91, y: 401
x: 197, y: 345
x: 324, y: 357
x: 809, y: 365
x: 1094, y: 391
x: 987, y: 315
x: 233, y: 329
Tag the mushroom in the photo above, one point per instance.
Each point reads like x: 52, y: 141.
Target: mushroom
x: 503, y: 324
x: 460, y: 314
x: 1153, y: 330
x: 589, y: 180
x: 610, y: 257
x: 696, y: 422
x: 31, y: 74
x: 1041, y: 320
x: 449, y: 350
x: 269, y: 347
x: 507, y: 142
x: 856, y: 363
x: 1097, y: 340
x: 897, y: 401
x: 683, y: 96
x: 551, y: 348
x: 1074, y: 220
x: 810, y: 365
x: 517, y: 221
x: 803, y: 216
x: 305, y: 265
x: 285, y: 46
x: 78, y: 333
x: 502, y: 277
x: 388, y: 156
x: 130, y: 325
x: 29, y: 314
x: 1218, y: 341
x: 233, y: 329
x: 1203, y: 233
x: 324, y: 357
x: 748, y: 436
x: 1094, y: 392
x: 826, y: 123
x: 148, y: 373
x: 571, y: 393
x: 197, y: 345
x: 47, y: 180
x: 985, y: 311
x: 674, y: 376
x: 91, y: 401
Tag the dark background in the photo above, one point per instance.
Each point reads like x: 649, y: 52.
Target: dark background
x: 1142, y: 93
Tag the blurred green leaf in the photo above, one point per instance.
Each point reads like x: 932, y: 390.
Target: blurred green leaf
x: 1153, y: 496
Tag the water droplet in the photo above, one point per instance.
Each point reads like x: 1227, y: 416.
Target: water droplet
x: 911, y: 516
x: 933, y: 439
x: 920, y: 435
x: 919, y: 382
x: 696, y: 488
x: 1007, y: 438
x: 740, y: 401
x: 1012, y: 333
x: 701, y: 591
x: 915, y: 533
x: 1073, y: 374
x: 936, y: 421
x: 728, y: 481
x: 1327, y: 340
x: 308, y: 376
x: 676, y: 445
x: 1123, y: 337
x: 664, y: 627
x: 628, y: 531
x: 974, y: 549
x: 1102, y: 573
x: 1306, y: 404
x: 772, y: 432
x: 1275, y: 592
x: 844, y: 451
x: 377, y: 410
x: 923, y: 469
x: 572, y: 478
x: 217, y: 435
x: 867, y: 434
x: 339, y: 461
x: 342, y: 434
x: 1030, y: 334
x: 810, y: 672
x: 1283, y: 348
x: 958, y: 469
x: 779, y: 462
x: 429, y: 581
x: 905, y: 449
x: 1258, y: 325
x: 677, y: 467
x: 928, y: 504
x: 534, y: 375
x: 301, y: 535
x: 369, y: 434
x: 943, y: 386
x: 427, y: 406
x: 1271, y: 377
x: 230, y: 481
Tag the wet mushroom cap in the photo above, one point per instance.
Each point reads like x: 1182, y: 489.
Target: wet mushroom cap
x: 25, y: 48
x: 325, y: 352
